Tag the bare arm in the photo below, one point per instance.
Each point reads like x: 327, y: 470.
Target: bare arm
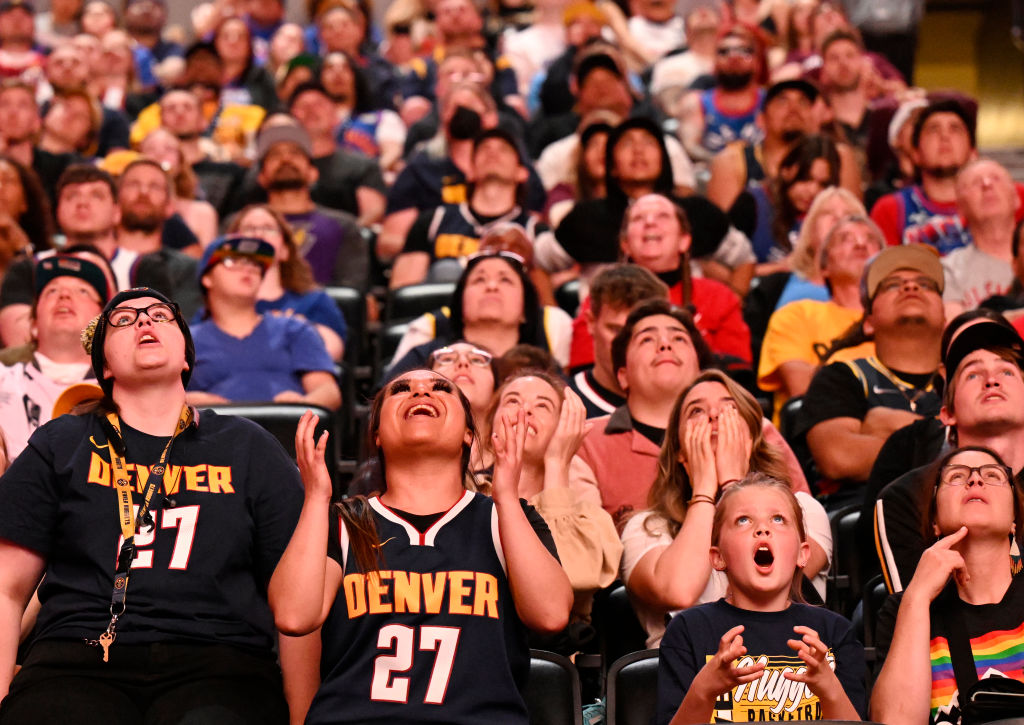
x: 902, y: 693
x: 393, y: 231
x: 15, y: 325
x: 20, y: 572
x: 795, y: 376
x: 691, y: 127
x: 300, y: 670
x: 409, y: 268
x: 332, y: 341
x: 198, y: 397
x: 371, y: 205
x: 726, y: 180
x: 306, y: 580
x: 540, y: 588
x: 841, y: 450
x: 850, y: 172
x: 321, y: 389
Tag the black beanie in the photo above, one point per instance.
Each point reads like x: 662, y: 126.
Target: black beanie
x: 96, y: 332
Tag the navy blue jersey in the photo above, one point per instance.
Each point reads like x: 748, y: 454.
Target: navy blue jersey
x: 229, y: 503
x: 433, y: 636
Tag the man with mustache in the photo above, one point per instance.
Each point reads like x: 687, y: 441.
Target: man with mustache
x: 328, y: 239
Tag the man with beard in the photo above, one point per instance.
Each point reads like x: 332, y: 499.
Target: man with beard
x: 852, y: 407
x: 442, y: 237
x: 714, y: 118
x: 148, y: 221
x: 144, y: 20
x: 845, y: 76
x: 17, y: 36
x: 943, y: 142
x: 786, y: 116
x: 328, y: 239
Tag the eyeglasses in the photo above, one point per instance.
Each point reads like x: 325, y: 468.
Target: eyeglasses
x: 157, y: 312
x: 744, y: 51
x: 260, y: 232
x: 991, y: 474
x: 239, y: 261
x: 474, y: 356
x: 891, y: 284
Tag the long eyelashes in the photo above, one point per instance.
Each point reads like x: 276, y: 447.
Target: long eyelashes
x: 400, y: 386
x: 443, y: 385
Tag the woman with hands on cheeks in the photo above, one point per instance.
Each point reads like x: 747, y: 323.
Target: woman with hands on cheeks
x: 714, y: 438
x: 424, y: 591
x: 584, y: 533
x: 961, y: 617
x: 778, y: 659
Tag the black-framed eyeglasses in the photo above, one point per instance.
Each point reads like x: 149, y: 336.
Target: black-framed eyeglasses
x: 157, y: 312
x: 991, y: 474
x: 474, y: 356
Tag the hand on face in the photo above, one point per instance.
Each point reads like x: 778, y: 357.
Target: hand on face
x: 700, y: 456
x: 572, y: 429
x: 508, y: 441
x: 732, y: 454
x: 938, y: 562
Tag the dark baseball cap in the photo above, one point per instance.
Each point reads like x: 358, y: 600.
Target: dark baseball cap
x: 12, y: 4
x: 982, y: 333
x: 66, y: 265
x: 808, y: 89
x: 235, y: 245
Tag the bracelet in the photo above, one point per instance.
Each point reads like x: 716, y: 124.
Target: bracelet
x: 729, y: 482
x: 701, y: 498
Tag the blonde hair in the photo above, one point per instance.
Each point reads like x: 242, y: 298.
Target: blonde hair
x: 805, y: 251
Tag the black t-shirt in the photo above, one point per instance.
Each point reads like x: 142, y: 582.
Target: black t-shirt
x: 229, y: 503
x: 692, y: 638
x: 455, y: 230
x: 836, y: 391
x: 995, y: 633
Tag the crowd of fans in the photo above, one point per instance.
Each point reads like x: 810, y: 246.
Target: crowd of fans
x: 710, y: 281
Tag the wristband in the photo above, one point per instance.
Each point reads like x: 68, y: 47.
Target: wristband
x: 701, y: 498
x: 728, y: 482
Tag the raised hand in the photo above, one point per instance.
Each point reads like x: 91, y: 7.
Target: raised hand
x: 819, y: 675
x: 719, y: 675
x: 508, y: 441
x: 700, y: 456
x: 309, y: 454
x: 732, y: 455
x: 938, y: 562
x: 572, y: 429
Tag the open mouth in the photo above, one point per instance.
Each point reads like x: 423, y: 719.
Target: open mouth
x: 147, y: 339
x: 422, y: 409
x: 763, y: 556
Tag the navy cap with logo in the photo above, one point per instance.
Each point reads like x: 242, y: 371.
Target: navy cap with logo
x: 235, y: 245
x: 13, y: 4
x: 66, y: 265
x: 982, y: 333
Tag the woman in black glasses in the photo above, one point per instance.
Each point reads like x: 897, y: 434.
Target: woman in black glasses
x: 961, y: 618
x: 157, y: 533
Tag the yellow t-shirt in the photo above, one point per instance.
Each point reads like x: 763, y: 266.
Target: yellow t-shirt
x: 792, y: 333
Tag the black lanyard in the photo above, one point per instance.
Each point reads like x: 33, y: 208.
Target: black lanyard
x: 129, y: 523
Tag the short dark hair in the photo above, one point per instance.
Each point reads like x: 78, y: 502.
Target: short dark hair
x: 622, y: 286
x: 147, y: 161
x: 650, y: 308
x: 946, y: 105
x: 841, y: 34
x: 84, y: 174
x: 305, y: 87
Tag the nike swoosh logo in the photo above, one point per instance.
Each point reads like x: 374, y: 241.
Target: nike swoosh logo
x: 100, y: 447
x: 381, y: 544
x: 879, y: 391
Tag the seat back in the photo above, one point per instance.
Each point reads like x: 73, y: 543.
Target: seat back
x: 411, y: 301
x: 352, y: 305
x: 844, y: 577
x: 633, y: 688
x: 619, y: 629
x: 568, y: 297
x: 552, y: 693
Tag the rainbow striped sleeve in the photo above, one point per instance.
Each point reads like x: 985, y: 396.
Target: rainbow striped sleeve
x: 943, y: 679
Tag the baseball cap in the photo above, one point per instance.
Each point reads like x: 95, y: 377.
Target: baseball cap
x: 284, y: 133
x: 74, y: 395
x: 808, y: 89
x: 981, y: 333
x: 235, y: 245
x: 12, y: 4
x: 599, y: 56
x: 919, y: 257
x: 499, y: 133
x: 66, y: 265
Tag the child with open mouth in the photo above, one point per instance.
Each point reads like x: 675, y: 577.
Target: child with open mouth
x: 759, y: 653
